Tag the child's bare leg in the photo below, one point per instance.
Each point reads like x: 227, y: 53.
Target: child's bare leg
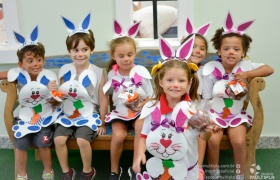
x: 137, y: 128
x: 86, y: 154
x: 21, y: 161
x: 119, y: 133
x: 62, y: 152
x: 46, y: 156
x: 201, y: 150
x: 213, y: 149
x: 237, y: 137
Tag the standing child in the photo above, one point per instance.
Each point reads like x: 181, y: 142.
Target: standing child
x: 132, y: 88
x: 198, y: 54
x: 226, y: 108
x: 81, y: 85
x: 30, y: 125
x: 165, y: 134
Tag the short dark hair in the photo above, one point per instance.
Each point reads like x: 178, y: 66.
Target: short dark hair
x: 37, y: 50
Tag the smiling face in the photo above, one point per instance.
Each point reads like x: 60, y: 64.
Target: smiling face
x: 231, y: 52
x: 32, y: 63
x: 199, y: 50
x: 124, y: 55
x: 174, y: 84
x: 80, y: 55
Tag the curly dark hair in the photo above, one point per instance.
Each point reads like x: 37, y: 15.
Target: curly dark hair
x: 219, y: 36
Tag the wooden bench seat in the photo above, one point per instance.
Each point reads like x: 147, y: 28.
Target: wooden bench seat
x: 103, y: 142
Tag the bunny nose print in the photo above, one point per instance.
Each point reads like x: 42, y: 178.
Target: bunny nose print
x: 165, y: 143
x: 175, y: 86
x: 231, y: 53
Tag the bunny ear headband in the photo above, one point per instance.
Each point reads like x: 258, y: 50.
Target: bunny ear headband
x: 22, y: 41
x: 228, y: 27
x: 167, y: 53
x: 82, y: 28
x: 131, y: 32
x: 202, y: 30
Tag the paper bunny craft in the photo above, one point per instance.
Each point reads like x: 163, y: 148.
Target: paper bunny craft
x: 202, y: 30
x: 82, y: 28
x: 33, y: 97
x: 240, y: 29
x: 119, y: 31
x: 125, y: 90
x: 77, y: 106
x: 167, y: 141
x: 226, y: 111
x: 24, y: 41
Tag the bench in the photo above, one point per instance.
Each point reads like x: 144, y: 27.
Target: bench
x: 148, y: 58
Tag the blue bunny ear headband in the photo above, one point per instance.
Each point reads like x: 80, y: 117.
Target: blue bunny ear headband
x: 22, y: 41
x: 82, y: 28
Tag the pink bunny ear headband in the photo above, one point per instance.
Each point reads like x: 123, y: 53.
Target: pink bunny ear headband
x: 167, y: 53
x: 131, y: 32
x: 22, y: 41
x: 82, y: 28
x: 228, y: 27
x: 202, y: 30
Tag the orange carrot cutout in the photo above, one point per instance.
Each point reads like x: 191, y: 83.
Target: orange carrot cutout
x: 35, y: 119
x: 165, y: 174
x: 226, y: 113
x: 75, y: 114
x: 56, y: 93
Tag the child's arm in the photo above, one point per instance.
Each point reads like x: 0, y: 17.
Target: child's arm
x: 3, y: 75
x: 103, y: 104
x: 261, y: 71
x: 141, y: 156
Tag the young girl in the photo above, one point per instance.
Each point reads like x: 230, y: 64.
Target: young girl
x: 198, y: 54
x: 132, y: 87
x: 165, y: 131
x: 81, y: 85
x: 226, y: 109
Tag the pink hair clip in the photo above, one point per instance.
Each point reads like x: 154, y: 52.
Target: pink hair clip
x: 202, y: 30
x: 131, y: 32
x: 228, y: 27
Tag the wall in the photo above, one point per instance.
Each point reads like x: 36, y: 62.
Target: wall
x: 264, y: 31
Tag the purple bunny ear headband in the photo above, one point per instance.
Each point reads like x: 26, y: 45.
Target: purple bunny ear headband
x: 228, y: 27
x: 131, y: 32
x: 82, y: 28
x: 23, y: 42
x: 202, y: 30
x: 167, y: 52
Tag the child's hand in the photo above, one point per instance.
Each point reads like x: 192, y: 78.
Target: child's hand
x: 140, y: 106
x: 101, y: 129
x: 240, y: 76
x: 140, y: 158
x: 52, y: 85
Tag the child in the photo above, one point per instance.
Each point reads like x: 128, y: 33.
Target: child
x: 80, y: 45
x: 132, y: 88
x: 198, y: 55
x: 226, y: 109
x: 31, y: 59
x: 166, y: 118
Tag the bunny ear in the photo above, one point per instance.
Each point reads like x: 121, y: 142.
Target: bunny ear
x: 87, y: 78
x: 203, y: 29
x: 185, y: 50
x: 228, y: 22
x: 85, y: 23
x: 189, y: 27
x: 133, y: 30
x: 45, y: 76
x: 118, y: 28
x: 69, y: 25
x: 180, y: 119
x: 137, y: 78
x: 156, y: 116
x: 68, y: 72
x: 34, y: 35
x: 20, y: 38
x: 243, y: 26
x: 166, y: 50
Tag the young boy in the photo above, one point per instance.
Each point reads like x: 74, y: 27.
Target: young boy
x: 31, y: 58
x: 80, y: 45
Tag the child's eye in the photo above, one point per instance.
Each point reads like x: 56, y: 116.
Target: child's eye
x: 85, y: 49
x: 182, y: 80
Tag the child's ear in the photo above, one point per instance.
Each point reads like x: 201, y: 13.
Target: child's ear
x: 91, y: 52
x: 20, y: 65
x: 160, y: 83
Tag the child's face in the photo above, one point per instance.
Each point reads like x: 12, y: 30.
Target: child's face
x: 32, y: 64
x: 198, y: 52
x: 231, y: 51
x: 174, y: 83
x: 81, y: 54
x: 124, y: 56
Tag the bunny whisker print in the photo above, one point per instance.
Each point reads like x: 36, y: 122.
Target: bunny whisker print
x: 36, y: 112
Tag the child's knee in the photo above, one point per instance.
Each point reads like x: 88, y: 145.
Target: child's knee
x: 82, y: 143
x: 60, y: 141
